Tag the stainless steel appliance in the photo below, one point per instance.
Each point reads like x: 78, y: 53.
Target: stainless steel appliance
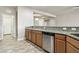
x: 48, y: 41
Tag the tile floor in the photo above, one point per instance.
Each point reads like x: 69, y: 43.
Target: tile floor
x: 11, y: 45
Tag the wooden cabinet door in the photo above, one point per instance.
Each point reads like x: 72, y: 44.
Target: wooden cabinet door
x: 59, y: 46
x: 60, y: 43
x: 30, y: 35
x: 34, y: 36
x: 72, y: 45
x: 71, y: 49
x: 26, y: 34
x: 39, y: 39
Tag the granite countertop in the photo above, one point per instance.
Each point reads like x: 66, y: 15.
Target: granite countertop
x: 56, y: 31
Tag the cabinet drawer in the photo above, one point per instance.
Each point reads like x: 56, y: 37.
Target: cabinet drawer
x: 60, y: 36
x: 73, y: 41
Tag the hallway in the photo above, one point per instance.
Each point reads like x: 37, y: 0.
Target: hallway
x: 11, y: 45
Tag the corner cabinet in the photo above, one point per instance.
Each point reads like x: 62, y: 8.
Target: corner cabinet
x: 60, y: 43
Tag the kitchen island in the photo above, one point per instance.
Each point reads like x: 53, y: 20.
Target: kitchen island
x: 63, y: 41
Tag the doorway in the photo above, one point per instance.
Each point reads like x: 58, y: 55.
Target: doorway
x: 9, y: 25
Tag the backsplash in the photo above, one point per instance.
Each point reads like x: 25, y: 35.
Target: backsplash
x: 70, y: 29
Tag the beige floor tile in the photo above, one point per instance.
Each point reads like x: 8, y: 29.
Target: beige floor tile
x: 11, y: 45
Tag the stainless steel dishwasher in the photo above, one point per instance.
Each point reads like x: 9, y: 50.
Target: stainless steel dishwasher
x: 48, y: 41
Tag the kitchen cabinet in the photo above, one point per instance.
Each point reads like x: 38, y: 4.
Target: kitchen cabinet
x: 59, y: 46
x: 60, y: 43
x: 30, y: 35
x: 66, y: 44
x: 27, y: 34
x: 33, y: 36
x: 71, y: 49
x: 72, y: 45
x: 39, y: 38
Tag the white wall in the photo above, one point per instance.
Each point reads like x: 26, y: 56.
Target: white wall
x: 52, y: 22
x: 69, y: 19
x: 25, y: 19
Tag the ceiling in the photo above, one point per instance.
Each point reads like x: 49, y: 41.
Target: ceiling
x: 56, y: 10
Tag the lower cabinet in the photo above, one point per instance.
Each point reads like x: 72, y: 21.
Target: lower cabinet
x: 66, y: 44
x: 71, y: 49
x: 34, y: 36
x: 59, y: 46
x: 60, y: 43
x: 39, y: 39
x: 30, y: 35
x: 27, y: 34
x: 72, y: 45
